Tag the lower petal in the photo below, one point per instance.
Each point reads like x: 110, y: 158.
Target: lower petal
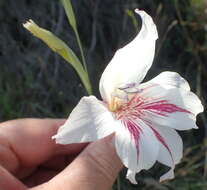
x: 171, y: 149
x: 174, y: 144
x: 137, y: 146
x: 131, y: 176
x: 90, y: 120
x: 126, y: 146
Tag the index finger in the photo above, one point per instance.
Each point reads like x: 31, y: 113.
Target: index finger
x: 28, y: 142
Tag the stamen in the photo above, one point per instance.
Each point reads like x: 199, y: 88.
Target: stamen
x: 114, y: 104
x: 118, y: 98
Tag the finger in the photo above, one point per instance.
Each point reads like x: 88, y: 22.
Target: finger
x: 9, y: 182
x: 45, y: 171
x: 95, y: 168
x: 29, y: 142
x: 39, y: 177
x: 59, y: 162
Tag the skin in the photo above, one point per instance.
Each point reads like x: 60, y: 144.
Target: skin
x: 30, y: 160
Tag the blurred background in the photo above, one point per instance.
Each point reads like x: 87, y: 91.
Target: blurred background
x: 35, y: 82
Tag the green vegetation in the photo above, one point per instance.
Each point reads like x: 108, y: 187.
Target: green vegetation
x: 36, y: 82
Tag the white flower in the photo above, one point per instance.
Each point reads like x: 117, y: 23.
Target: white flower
x: 143, y: 116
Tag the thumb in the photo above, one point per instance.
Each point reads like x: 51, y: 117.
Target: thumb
x: 95, y: 168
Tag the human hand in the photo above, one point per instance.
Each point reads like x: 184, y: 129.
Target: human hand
x: 29, y: 159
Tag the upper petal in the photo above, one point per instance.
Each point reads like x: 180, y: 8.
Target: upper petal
x: 168, y: 79
x: 137, y: 146
x: 130, y: 63
x: 90, y: 120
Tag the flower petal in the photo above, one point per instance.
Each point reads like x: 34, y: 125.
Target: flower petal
x: 175, y: 107
x: 169, y: 80
x: 130, y: 63
x: 171, y: 149
x: 136, y: 145
x: 174, y: 143
x: 90, y: 120
x: 131, y: 176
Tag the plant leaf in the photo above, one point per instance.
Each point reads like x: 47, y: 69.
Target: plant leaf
x: 60, y: 47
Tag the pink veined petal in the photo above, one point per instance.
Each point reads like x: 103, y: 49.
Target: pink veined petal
x: 126, y: 146
x: 174, y: 144
x: 175, y: 107
x: 130, y: 63
x: 136, y: 145
x: 171, y: 149
x: 90, y: 120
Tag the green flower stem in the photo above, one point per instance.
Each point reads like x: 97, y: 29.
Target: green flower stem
x: 72, y: 21
x: 81, y: 50
x: 82, y: 74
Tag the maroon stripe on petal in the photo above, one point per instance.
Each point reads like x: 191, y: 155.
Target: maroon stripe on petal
x: 135, y: 132
x: 162, y: 107
x: 162, y: 141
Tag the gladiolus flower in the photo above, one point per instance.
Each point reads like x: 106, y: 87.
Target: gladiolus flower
x: 142, y: 116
